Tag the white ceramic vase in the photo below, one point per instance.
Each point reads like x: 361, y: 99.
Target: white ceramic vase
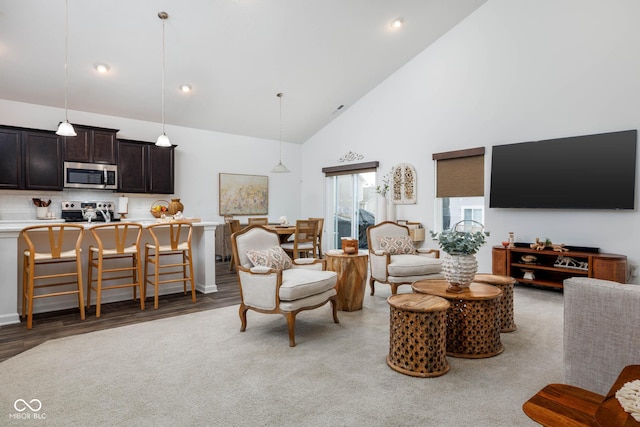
x: 391, y: 211
x: 459, y: 271
x: 381, y: 209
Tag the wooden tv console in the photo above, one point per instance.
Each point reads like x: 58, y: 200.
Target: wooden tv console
x: 544, y: 271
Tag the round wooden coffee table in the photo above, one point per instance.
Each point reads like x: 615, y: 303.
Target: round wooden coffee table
x: 473, y: 318
x: 505, y: 283
x: 417, y: 343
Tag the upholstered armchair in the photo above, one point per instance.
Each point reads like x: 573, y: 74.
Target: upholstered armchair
x: 394, y: 260
x: 270, y: 282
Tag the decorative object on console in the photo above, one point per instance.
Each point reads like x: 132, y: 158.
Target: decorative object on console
x: 175, y: 206
x: 528, y: 274
x: 569, y: 262
x: 539, y: 246
x: 528, y: 259
x: 403, y: 184
x: 461, y: 243
x: 512, y: 239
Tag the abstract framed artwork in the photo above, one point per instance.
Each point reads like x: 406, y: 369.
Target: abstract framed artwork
x: 243, y: 194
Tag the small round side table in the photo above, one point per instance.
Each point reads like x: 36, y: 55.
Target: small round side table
x: 417, y: 340
x: 505, y: 283
x: 352, y: 278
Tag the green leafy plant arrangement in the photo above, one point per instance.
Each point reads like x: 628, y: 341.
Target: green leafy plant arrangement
x: 383, y: 189
x: 455, y: 242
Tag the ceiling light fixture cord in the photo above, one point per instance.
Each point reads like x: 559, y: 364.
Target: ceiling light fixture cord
x: 163, y: 54
x: 163, y: 140
x: 66, y: 56
x: 65, y: 128
x: 280, y: 168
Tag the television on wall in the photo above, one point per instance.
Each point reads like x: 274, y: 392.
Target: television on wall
x: 581, y: 172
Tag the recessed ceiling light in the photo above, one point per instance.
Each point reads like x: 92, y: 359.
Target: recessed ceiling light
x: 102, y: 68
x: 185, y: 88
x: 397, y: 23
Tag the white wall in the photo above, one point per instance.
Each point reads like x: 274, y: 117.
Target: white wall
x: 513, y: 71
x: 200, y: 157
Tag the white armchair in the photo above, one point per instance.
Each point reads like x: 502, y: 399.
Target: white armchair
x: 394, y: 261
x: 271, y: 283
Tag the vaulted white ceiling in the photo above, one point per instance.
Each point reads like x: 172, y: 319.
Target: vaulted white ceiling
x: 236, y: 54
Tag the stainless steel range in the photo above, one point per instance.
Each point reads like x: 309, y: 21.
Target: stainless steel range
x: 77, y: 211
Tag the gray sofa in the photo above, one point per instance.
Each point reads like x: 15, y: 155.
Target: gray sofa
x: 601, y: 331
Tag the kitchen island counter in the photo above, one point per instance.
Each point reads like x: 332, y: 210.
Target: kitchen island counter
x: 203, y: 243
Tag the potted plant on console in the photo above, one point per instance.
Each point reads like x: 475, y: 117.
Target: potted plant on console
x: 460, y: 244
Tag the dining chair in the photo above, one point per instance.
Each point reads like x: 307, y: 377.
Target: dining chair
x: 173, y: 240
x: 115, y: 241
x: 259, y: 221
x: 47, y: 245
x: 303, y: 239
x: 318, y: 237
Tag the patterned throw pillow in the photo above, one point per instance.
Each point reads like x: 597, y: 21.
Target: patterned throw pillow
x: 274, y: 257
x: 397, y: 245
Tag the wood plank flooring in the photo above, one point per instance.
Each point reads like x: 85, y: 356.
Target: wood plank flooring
x: 14, y: 339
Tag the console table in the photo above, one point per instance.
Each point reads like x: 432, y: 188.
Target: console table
x: 545, y: 270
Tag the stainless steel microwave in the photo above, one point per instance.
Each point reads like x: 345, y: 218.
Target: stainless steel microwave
x: 90, y: 175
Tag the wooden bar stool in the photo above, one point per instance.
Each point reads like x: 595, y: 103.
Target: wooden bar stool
x: 169, y: 240
x: 116, y: 241
x: 48, y: 245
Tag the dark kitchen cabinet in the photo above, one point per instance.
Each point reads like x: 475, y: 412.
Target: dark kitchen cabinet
x: 145, y: 168
x: 161, y: 169
x: 30, y: 159
x: 11, y: 159
x: 91, y: 145
x: 42, y: 160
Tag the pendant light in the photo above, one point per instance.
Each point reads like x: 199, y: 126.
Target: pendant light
x: 163, y: 140
x: 65, y: 128
x: 280, y: 168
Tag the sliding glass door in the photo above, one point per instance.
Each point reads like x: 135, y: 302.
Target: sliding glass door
x: 352, y: 202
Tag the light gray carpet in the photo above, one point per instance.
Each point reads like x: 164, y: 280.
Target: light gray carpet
x: 198, y: 369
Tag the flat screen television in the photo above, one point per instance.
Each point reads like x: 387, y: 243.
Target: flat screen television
x: 581, y: 172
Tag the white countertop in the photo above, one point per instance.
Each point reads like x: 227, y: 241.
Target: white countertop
x: 17, y: 225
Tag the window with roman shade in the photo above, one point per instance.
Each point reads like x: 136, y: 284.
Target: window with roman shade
x: 459, y: 186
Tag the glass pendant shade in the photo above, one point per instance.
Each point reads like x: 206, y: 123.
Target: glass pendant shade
x: 65, y: 129
x: 279, y: 168
x: 163, y: 141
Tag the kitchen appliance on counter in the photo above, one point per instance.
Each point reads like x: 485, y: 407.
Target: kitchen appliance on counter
x: 90, y: 175
x: 78, y: 211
